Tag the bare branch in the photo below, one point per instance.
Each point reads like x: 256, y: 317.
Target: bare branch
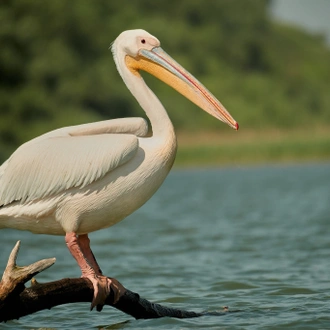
x: 16, y: 300
x: 14, y: 277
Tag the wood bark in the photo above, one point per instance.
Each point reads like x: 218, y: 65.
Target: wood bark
x: 17, y: 300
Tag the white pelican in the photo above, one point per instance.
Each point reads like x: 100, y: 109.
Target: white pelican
x: 79, y: 179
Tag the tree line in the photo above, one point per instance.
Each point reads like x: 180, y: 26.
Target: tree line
x: 56, y: 68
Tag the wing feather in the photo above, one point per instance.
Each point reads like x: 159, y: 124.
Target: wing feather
x: 53, y: 164
x: 133, y: 125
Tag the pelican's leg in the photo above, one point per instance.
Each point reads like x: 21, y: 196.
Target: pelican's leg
x: 83, y: 241
x: 101, y: 283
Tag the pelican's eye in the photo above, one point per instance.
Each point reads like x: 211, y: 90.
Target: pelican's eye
x: 143, y: 41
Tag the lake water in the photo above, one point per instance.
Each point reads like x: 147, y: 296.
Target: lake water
x: 254, y: 239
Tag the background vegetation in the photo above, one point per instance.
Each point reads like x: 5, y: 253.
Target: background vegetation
x: 56, y: 70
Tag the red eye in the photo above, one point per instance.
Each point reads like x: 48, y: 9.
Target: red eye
x: 143, y: 41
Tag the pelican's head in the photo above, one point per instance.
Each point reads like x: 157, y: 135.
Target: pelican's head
x: 142, y: 51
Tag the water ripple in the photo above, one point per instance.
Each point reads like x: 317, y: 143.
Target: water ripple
x: 253, y: 239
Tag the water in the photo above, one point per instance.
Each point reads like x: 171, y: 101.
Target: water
x: 254, y: 239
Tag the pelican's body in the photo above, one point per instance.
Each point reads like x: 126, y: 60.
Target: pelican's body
x: 103, y: 202
x: 79, y: 179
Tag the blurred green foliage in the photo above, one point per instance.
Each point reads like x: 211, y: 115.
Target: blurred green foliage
x: 56, y: 69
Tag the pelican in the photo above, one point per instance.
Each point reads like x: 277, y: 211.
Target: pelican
x: 75, y: 180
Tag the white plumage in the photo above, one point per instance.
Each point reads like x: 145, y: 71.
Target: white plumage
x: 83, y: 178
x: 64, y: 159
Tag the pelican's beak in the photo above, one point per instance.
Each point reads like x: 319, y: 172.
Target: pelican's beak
x: 165, y: 68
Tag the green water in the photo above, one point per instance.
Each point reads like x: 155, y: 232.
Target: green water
x: 254, y: 239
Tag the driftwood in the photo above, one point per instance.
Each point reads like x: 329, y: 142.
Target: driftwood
x: 16, y: 300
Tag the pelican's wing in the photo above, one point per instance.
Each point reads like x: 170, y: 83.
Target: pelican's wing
x: 51, y: 165
x: 133, y: 125
x: 68, y: 157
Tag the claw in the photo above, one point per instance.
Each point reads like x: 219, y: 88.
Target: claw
x: 101, y: 286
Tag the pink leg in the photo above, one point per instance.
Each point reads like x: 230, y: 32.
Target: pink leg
x: 83, y: 242
x: 80, y: 250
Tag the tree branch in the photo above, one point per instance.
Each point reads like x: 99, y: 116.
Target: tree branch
x: 16, y: 300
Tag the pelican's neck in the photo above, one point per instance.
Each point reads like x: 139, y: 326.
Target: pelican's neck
x: 160, y: 122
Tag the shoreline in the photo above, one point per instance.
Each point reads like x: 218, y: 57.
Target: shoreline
x: 253, y: 147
